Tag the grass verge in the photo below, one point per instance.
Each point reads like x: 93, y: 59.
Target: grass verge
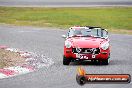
x: 8, y: 58
x: 116, y: 19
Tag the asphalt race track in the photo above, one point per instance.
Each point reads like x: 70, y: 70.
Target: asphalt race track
x: 48, y: 41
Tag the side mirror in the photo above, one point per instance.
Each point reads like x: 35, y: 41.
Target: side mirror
x: 63, y: 36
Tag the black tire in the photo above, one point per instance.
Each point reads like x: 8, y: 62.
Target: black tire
x: 66, y: 61
x: 105, y: 62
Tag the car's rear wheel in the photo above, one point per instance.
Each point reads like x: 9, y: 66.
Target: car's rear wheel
x: 66, y: 61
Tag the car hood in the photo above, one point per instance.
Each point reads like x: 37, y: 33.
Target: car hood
x: 86, y: 42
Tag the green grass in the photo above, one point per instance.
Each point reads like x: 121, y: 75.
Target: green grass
x: 112, y: 18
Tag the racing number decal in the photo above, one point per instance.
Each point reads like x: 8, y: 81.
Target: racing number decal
x: 83, y: 57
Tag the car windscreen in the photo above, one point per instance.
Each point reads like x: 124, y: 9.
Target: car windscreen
x: 86, y: 32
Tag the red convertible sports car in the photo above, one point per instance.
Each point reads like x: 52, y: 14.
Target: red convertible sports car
x: 86, y: 43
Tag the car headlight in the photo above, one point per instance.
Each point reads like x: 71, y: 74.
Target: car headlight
x: 68, y: 44
x: 105, y: 46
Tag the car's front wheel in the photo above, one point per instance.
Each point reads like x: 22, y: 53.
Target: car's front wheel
x: 66, y: 61
x: 105, y: 62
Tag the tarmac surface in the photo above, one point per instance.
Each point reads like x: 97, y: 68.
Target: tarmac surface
x: 48, y: 41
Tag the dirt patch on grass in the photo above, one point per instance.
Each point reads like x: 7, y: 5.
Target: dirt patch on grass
x: 8, y: 58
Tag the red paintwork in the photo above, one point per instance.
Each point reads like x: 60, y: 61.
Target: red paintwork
x: 86, y: 42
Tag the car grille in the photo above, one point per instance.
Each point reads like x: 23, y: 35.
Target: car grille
x: 86, y: 50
